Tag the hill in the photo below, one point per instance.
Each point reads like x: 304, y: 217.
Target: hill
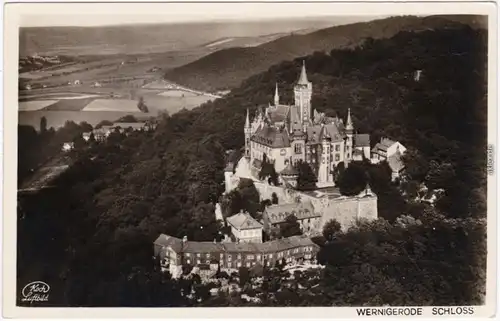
x: 131, y: 188
x: 226, y: 68
x: 150, y: 38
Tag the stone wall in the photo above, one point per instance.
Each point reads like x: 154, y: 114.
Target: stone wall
x: 346, y: 210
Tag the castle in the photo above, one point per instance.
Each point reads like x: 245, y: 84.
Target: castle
x: 287, y: 134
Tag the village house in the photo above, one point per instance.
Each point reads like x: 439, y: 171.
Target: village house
x: 396, y: 165
x: 245, y: 228
x: 385, y: 149
x: 308, y: 219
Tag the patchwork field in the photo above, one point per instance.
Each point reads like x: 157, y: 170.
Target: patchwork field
x: 93, y: 105
x: 69, y: 104
x: 35, y: 105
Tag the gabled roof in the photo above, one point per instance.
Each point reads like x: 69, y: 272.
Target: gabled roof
x: 278, y: 213
x: 395, y: 162
x: 331, y: 131
x: 271, y: 137
x: 362, y: 140
x: 285, y: 244
x: 241, y: 247
x: 243, y: 221
x: 166, y: 241
x: 278, y: 113
x: 202, y: 247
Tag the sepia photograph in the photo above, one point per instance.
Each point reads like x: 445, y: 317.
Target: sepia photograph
x: 282, y: 157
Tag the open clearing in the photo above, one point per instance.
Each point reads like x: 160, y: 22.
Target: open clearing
x: 123, y: 105
x: 178, y: 93
x: 35, y: 104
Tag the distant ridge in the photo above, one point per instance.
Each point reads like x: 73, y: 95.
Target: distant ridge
x: 227, y: 68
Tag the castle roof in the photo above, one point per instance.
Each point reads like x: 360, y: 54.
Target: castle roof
x: 316, y: 133
x: 303, y: 75
x: 271, y: 137
x: 278, y: 213
x: 243, y: 221
x: 362, y: 140
x: 278, y: 113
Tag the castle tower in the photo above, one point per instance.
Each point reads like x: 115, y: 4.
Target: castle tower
x: 303, y: 93
x: 349, y: 130
x: 324, y: 166
x: 276, y: 96
x: 248, y: 132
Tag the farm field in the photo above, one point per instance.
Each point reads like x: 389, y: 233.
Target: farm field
x: 69, y: 104
x: 35, y: 104
x: 125, y: 105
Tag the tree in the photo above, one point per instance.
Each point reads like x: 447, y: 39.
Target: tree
x: 274, y: 198
x: 244, y: 275
x: 439, y: 175
x: 290, y: 227
x: 250, y: 198
x: 103, y: 123
x: 416, y: 166
x: 352, y: 180
x: 331, y: 229
x: 128, y: 119
x: 268, y: 171
x: 43, y: 125
x: 142, y: 105
x: 306, y: 179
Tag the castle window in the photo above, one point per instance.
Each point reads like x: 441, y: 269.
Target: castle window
x: 298, y: 149
x: 337, y: 148
x: 337, y: 157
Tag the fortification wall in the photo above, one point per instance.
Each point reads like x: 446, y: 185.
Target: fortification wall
x: 346, y: 210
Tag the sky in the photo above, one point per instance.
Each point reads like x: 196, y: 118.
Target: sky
x: 86, y: 14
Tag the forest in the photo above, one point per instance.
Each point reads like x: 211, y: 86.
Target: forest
x: 99, y: 222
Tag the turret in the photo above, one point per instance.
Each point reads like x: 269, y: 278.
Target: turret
x: 276, y: 96
x: 349, y: 129
x: 303, y: 94
x: 349, y: 126
x: 290, y: 174
x: 248, y: 132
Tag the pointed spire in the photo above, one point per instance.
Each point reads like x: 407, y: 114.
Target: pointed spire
x: 276, y: 96
x: 349, y: 125
x: 303, y: 75
x: 247, y: 121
